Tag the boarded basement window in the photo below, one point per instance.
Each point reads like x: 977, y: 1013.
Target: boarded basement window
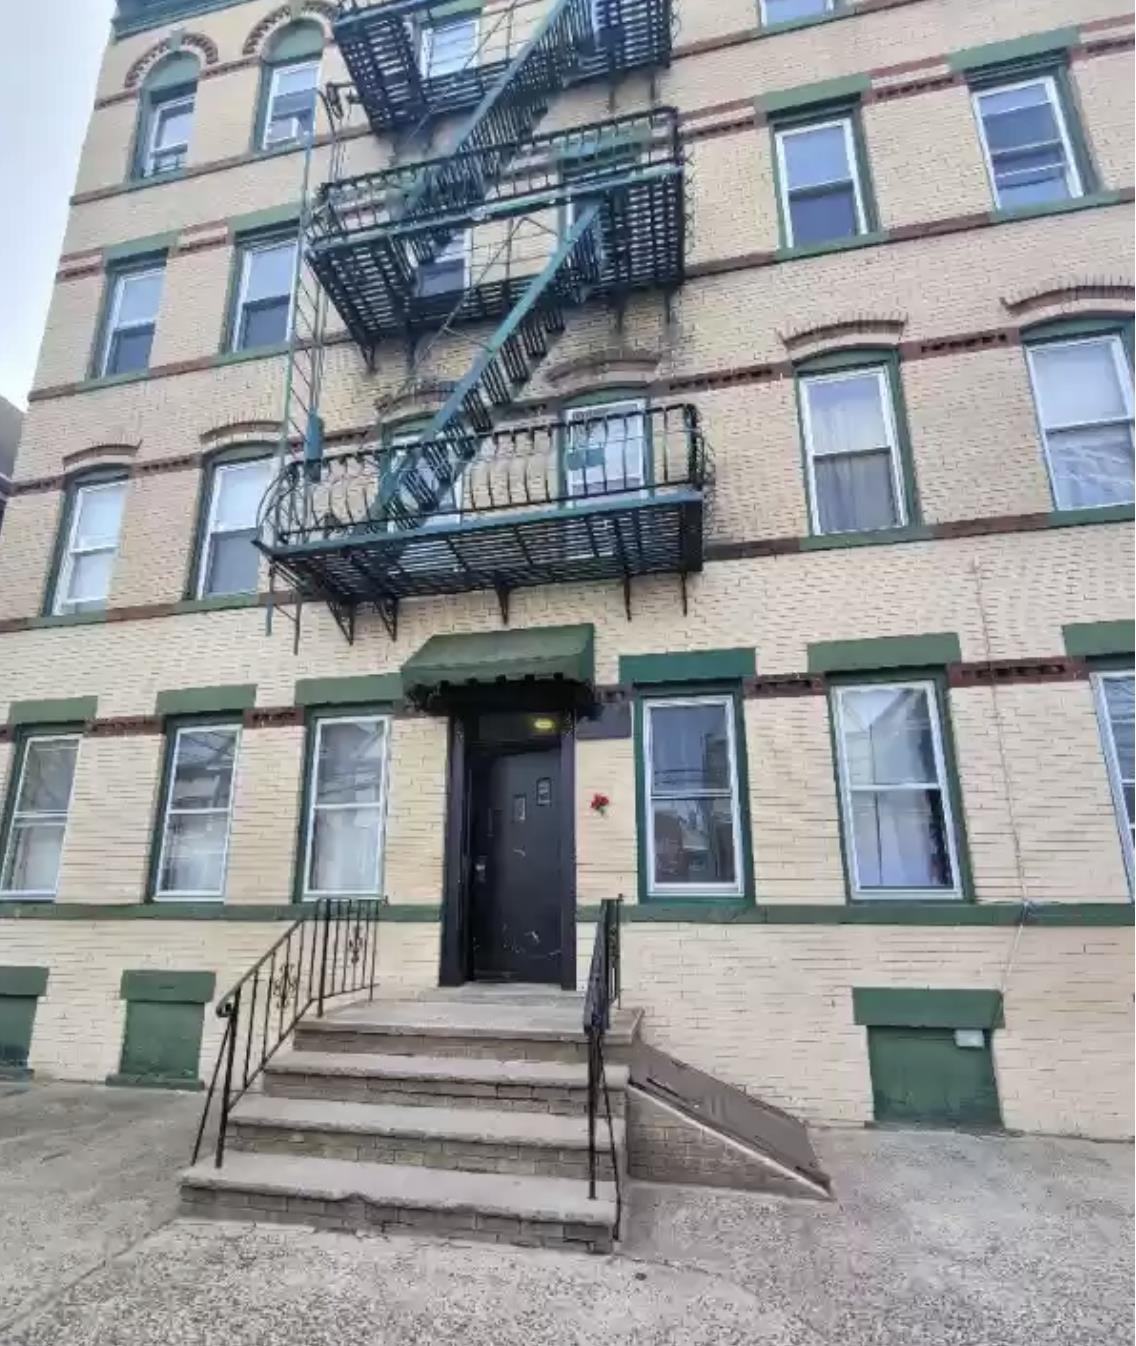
x: 20, y: 989
x: 929, y: 1052
x: 161, y: 1044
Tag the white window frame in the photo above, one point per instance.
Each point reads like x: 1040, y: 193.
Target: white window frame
x: 399, y: 446
x: 63, y: 603
x: 827, y: 6
x: 880, y: 373
x: 37, y: 894
x: 465, y: 238
x: 426, y: 46
x: 1115, y: 779
x: 597, y: 411
x: 781, y: 135
x: 247, y: 253
x: 314, y: 894
x: 113, y: 326
x: 158, y: 109
x: 655, y: 889
x: 1072, y: 173
x: 1124, y: 378
x: 211, y: 528
x: 289, y: 67
x: 181, y: 894
x: 943, y: 785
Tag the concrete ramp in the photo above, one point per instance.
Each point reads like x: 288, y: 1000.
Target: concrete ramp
x: 685, y: 1126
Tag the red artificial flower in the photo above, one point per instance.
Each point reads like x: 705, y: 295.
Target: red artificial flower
x: 600, y: 802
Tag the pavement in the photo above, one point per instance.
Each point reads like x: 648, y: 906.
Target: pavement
x: 936, y: 1239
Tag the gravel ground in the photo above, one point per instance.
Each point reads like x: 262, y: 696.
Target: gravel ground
x: 935, y: 1239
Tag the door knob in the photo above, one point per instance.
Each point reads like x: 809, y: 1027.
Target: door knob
x: 479, y: 870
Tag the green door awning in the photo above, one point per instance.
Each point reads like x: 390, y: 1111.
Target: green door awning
x: 483, y: 658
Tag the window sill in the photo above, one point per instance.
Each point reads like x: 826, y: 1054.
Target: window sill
x: 69, y: 619
x: 910, y: 895
x: 868, y: 240
x: 187, y: 899
x: 236, y: 357
x: 879, y: 537
x: 218, y: 603
x: 117, y: 1081
x: 1069, y: 518
x: 794, y: 25
x: 114, y: 380
x: 1090, y: 201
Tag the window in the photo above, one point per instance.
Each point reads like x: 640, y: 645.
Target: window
x: 167, y: 145
x: 785, y: 11
x: 291, y: 110
x: 38, y: 823
x: 821, y: 197
x: 693, y: 819
x: 1083, y: 392
x: 851, y: 450
x: 197, y: 811
x: 131, y: 318
x: 230, y: 564
x: 1115, y: 707
x: 1026, y: 143
x: 264, y: 297
x: 447, y: 511
x: 346, y: 803
x: 92, y: 543
x: 448, y: 47
x: 894, y: 797
x: 448, y: 271
x: 605, y: 449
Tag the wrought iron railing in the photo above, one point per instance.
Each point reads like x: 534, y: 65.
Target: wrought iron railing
x: 602, y: 995
x: 329, y: 952
x: 591, y: 457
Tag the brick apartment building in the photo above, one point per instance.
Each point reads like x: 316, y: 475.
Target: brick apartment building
x: 539, y: 510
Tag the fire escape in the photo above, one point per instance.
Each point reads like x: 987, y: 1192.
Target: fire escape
x: 472, y: 260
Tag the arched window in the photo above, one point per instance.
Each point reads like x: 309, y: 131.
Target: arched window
x: 287, y: 106
x: 166, y: 120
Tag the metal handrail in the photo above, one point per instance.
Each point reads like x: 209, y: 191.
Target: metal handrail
x: 602, y: 994
x: 329, y: 951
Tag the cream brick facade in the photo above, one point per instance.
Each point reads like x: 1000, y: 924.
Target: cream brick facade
x: 764, y: 1003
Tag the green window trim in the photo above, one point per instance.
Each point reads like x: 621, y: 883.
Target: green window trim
x: 240, y: 453
x: 175, y: 76
x: 172, y: 724
x: 23, y: 981
x: 687, y: 666
x: 1104, y: 324
x: 1019, y: 56
x: 20, y: 992
x: 677, y: 692
x: 1093, y: 640
x: 127, y: 258
x: 65, y: 712
x: 41, y: 724
x: 194, y: 988
x: 92, y: 476
x: 300, y: 42
x: 795, y: 110
x: 375, y: 690
x: 885, y: 653
x: 216, y: 700
x: 964, y: 891
x: 851, y: 359
x: 317, y: 714
x: 926, y: 1007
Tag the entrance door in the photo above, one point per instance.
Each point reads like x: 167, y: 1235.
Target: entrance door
x: 515, y: 879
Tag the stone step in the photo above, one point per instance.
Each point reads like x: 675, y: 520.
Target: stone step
x: 498, y: 1030
x: 390, y: 1198
x: 474, y: 1140
x: 441, y: 1081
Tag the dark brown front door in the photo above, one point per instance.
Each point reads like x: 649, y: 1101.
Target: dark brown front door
x: 515, y: 880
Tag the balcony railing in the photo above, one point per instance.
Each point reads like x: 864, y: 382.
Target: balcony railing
x: 375, y: 238
x: 601, y: 494
x: 387, y: 46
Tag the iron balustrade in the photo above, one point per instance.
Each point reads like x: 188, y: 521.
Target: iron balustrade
x: 603, y: 993
x: 330, y: 951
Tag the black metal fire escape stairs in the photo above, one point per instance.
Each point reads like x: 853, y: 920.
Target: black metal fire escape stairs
x: 615, y: 190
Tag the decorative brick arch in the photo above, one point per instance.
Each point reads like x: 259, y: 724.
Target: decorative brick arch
x: 1079, y: 294
x: 282, y: 15
x: 198, y: 43
x: 876, y: 329
x: 95, y: 454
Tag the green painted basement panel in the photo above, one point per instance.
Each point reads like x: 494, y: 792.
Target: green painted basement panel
x: 17, y: 1016
x: 921, y: 1076
x: 161, y: 1043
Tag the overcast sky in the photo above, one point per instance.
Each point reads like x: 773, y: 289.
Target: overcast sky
x: 49, y: 61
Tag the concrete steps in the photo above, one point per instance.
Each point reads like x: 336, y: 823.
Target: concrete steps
x: 472, y: 1140
x: 385, y: 1198
x: 441, y: 1081
x: 465, y: 1115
